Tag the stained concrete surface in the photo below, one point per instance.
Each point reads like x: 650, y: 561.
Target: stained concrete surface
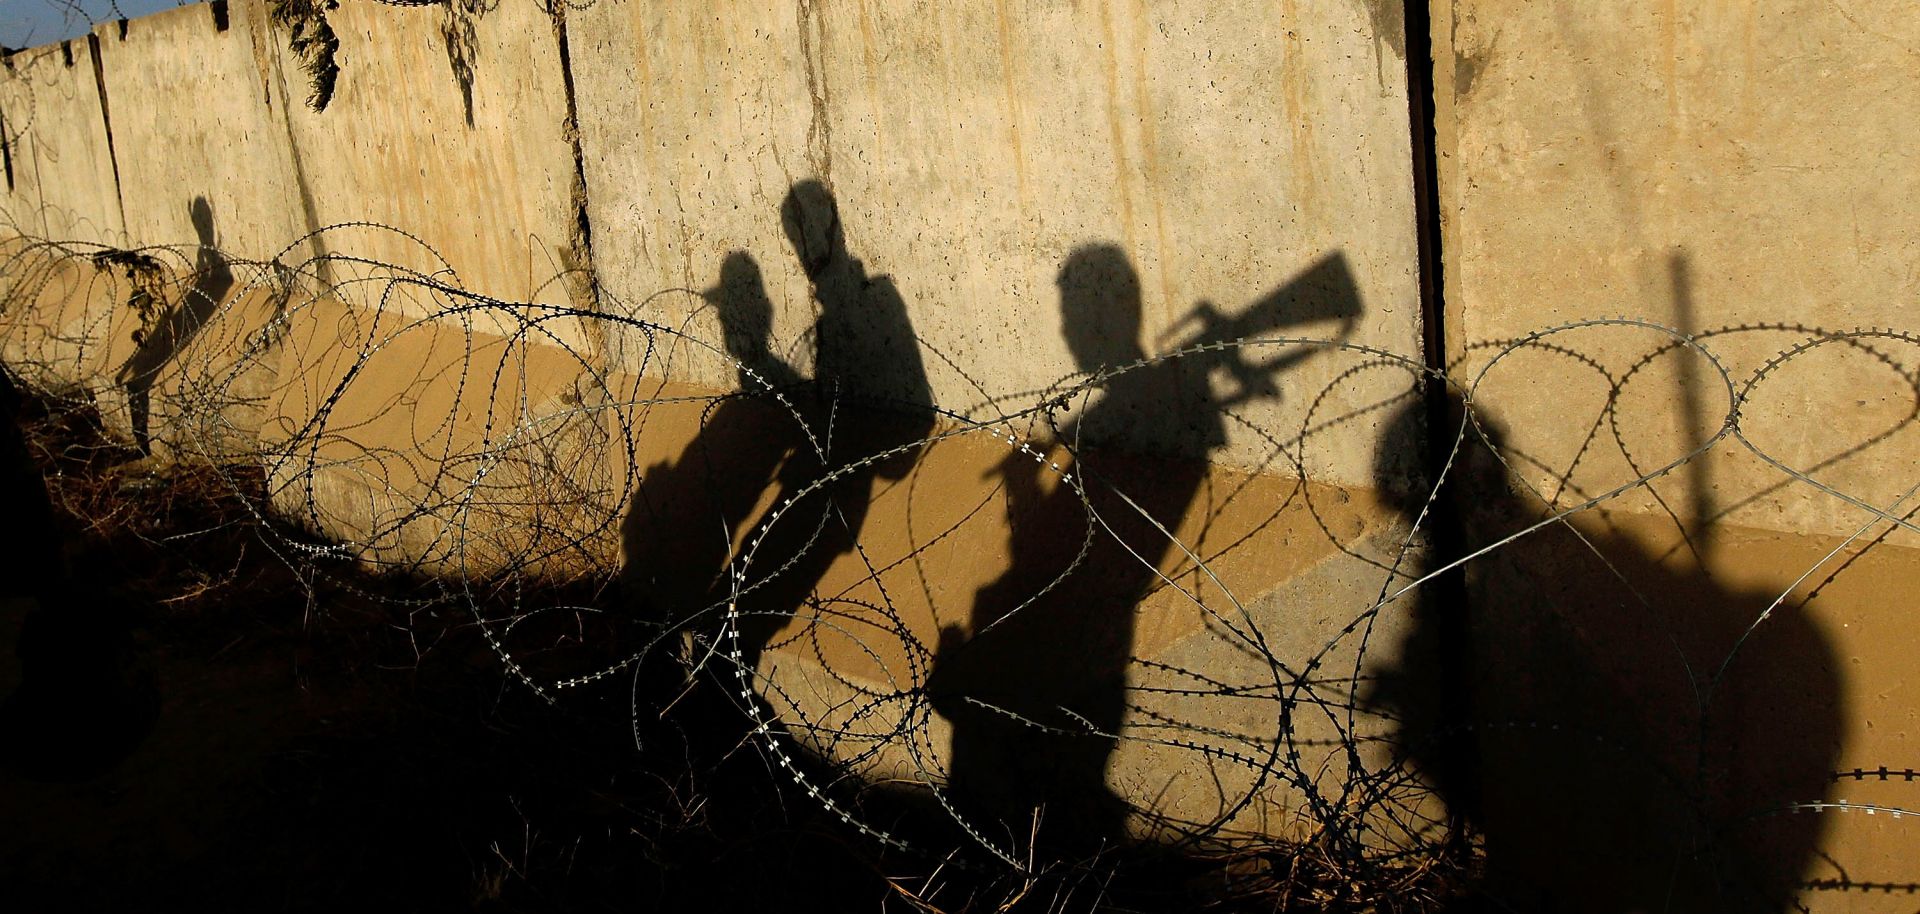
x: 60, y: 182
x: 971, y: 147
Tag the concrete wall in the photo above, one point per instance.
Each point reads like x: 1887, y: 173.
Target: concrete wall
x: 968, y: 154
x: 1297, y: 227
x: 973, y: 147
x: 199, y: 108
x: 964, y: 190
x: 1727, y: 166
x: 485, y: 203
x: 958, y: 206
x: 473, y: 161
x: 1738, y: 172
x: 61, y: 183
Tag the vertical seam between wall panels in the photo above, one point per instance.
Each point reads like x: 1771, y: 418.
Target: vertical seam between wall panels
x: 1447, y: 594
x: 106, y: 122
x: 6, y: 148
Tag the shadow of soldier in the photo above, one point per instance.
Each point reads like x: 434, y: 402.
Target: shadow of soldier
x: 679, y: 533
x: 160, y: 343
x: 1625, y: 735
x: 730, y: 541
x: 1036, y: 686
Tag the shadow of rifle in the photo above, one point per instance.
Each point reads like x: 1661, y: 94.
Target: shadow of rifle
x: 1325, y: 291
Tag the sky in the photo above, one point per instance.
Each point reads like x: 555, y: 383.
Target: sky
x: 25, y: 23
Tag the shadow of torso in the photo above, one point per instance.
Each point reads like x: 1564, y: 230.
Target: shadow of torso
x: 687, y: 515
x: 1036, y: 694
x: 1618, y: 767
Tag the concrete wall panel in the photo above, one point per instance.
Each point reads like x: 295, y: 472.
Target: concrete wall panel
x: 973, y: 147
x: 1738, y: 174
x: 1711, y: 168
x: 201, y: 117
x: 975, y: 155
x: 61, y: 181
x: 448, y: 126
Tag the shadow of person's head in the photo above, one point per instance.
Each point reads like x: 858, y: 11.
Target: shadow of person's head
x: 1476, y: 476
x: 201, y: 212
x: 1100, y: 307
x: 746, y: 314
x: 811, y: 219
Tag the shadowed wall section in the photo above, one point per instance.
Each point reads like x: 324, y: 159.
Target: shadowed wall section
x: 1735, y: 172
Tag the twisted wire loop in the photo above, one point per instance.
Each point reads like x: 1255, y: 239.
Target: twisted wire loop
x: 572, y: 480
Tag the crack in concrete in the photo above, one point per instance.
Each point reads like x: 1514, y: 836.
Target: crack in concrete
x: 820, y: 129
x: 579, y: 253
